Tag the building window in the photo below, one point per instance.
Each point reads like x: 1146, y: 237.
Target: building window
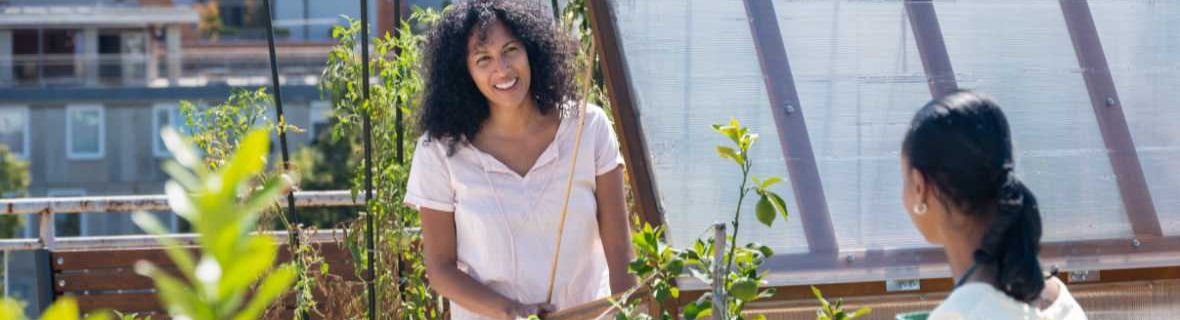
x: 14, y: 129
x: 85, y: 132
x: 165, y: 115
x: 48, y: 55
x: 68, y: 224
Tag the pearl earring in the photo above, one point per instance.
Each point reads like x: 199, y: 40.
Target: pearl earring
x: 920, y: 208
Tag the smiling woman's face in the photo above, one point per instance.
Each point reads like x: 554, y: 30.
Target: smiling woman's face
x: 499, y: 65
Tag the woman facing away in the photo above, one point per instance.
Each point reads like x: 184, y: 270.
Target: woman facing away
x: 489, y: 174
x: 962, y: 193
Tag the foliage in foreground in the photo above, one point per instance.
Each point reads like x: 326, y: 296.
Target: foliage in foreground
x: 233, y: 276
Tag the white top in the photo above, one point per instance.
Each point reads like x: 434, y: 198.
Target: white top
x: 506, y: 225
x: 979, y: 301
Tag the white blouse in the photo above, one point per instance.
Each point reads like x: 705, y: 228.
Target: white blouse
x: 979, y: 301
x: 506, y: 224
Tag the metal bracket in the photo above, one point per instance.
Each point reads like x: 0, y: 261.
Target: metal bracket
x: 1084, y: 276
x: 47, y: 229
x: 902, y: 285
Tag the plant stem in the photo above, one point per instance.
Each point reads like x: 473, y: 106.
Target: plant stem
x: 737, y: 215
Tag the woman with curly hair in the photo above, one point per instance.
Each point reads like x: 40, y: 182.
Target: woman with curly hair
x: 498, y: 124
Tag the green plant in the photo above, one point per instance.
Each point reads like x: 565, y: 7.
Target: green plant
x: 217, y: 130
x: 400, y: 271
x: 233, y: 276
x: 835, y: 311
x: 662, y: 264
x: 63, y: 309
x: 769, y: 203
x: 575, y: 18
x: 14, y: 182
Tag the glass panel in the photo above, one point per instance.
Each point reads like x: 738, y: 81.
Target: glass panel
x: 860, y: 79
x: 14, y: 129
x: 60, y: 47
x: 26, y: 66
x: 693, y: 64
x: 1139, y: 38
x: 1019, y: 51
x: 85, y: 124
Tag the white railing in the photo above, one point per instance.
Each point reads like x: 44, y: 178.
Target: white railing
x: 47, y: 208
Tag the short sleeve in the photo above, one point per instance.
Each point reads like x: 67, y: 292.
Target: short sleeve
x: 429, y: 185
x: 606, y: 144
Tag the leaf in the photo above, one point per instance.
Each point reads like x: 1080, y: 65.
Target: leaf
x: 12, y: 309
x: 697, y: 310
x: 860, y: 313
x: 770, y: 182
x: 727, y: 152
x: 180, y: 257
x: 744, y: 289
x: 247, y: 161
x: 181, y: 150
x: 264, y: 197
x: 820, y: 296
x: 275, y: 285
x: 764, y: 211
x: 675, y: 267
x: 730, y: 131
x: 181, y: 175
x: 179, y: 299
x: 64, y: 309
x: 180, y: 202
x: 248, y: 265
x: 639, y: 266
x: 779, y: 204
x: 640, y: 241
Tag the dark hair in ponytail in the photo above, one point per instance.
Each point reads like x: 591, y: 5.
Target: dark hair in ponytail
x: 962, y: 145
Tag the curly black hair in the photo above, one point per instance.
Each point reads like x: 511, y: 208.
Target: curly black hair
x: 453, y: 109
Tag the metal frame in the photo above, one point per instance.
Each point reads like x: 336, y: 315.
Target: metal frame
x: 940, y: 76
x: 47, y: 208
x: 1104, y: 99
x: 792, y: 129
x: 854, y: 266
x: 625, y: 112
x: 146, y: 241
x: 128, y: 204
x: 941, y: 80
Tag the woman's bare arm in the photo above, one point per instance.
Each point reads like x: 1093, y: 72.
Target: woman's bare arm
x: 438, y: 236
x: 614, y: 229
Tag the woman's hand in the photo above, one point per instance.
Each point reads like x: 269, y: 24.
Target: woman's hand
x: 523, y: 311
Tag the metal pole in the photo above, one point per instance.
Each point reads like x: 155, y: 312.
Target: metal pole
x: 1112, y: 123
x: 940, y: 76
x: 625, y: 110
x: 556, y: 10
x: 719, y: 304
x: 792, y: 127
x: 370, y: 275
x: 278, y: 95
x: 397, y: 110
x: 306, y: 21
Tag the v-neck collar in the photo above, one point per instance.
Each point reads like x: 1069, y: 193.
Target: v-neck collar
x: 551, y: 154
